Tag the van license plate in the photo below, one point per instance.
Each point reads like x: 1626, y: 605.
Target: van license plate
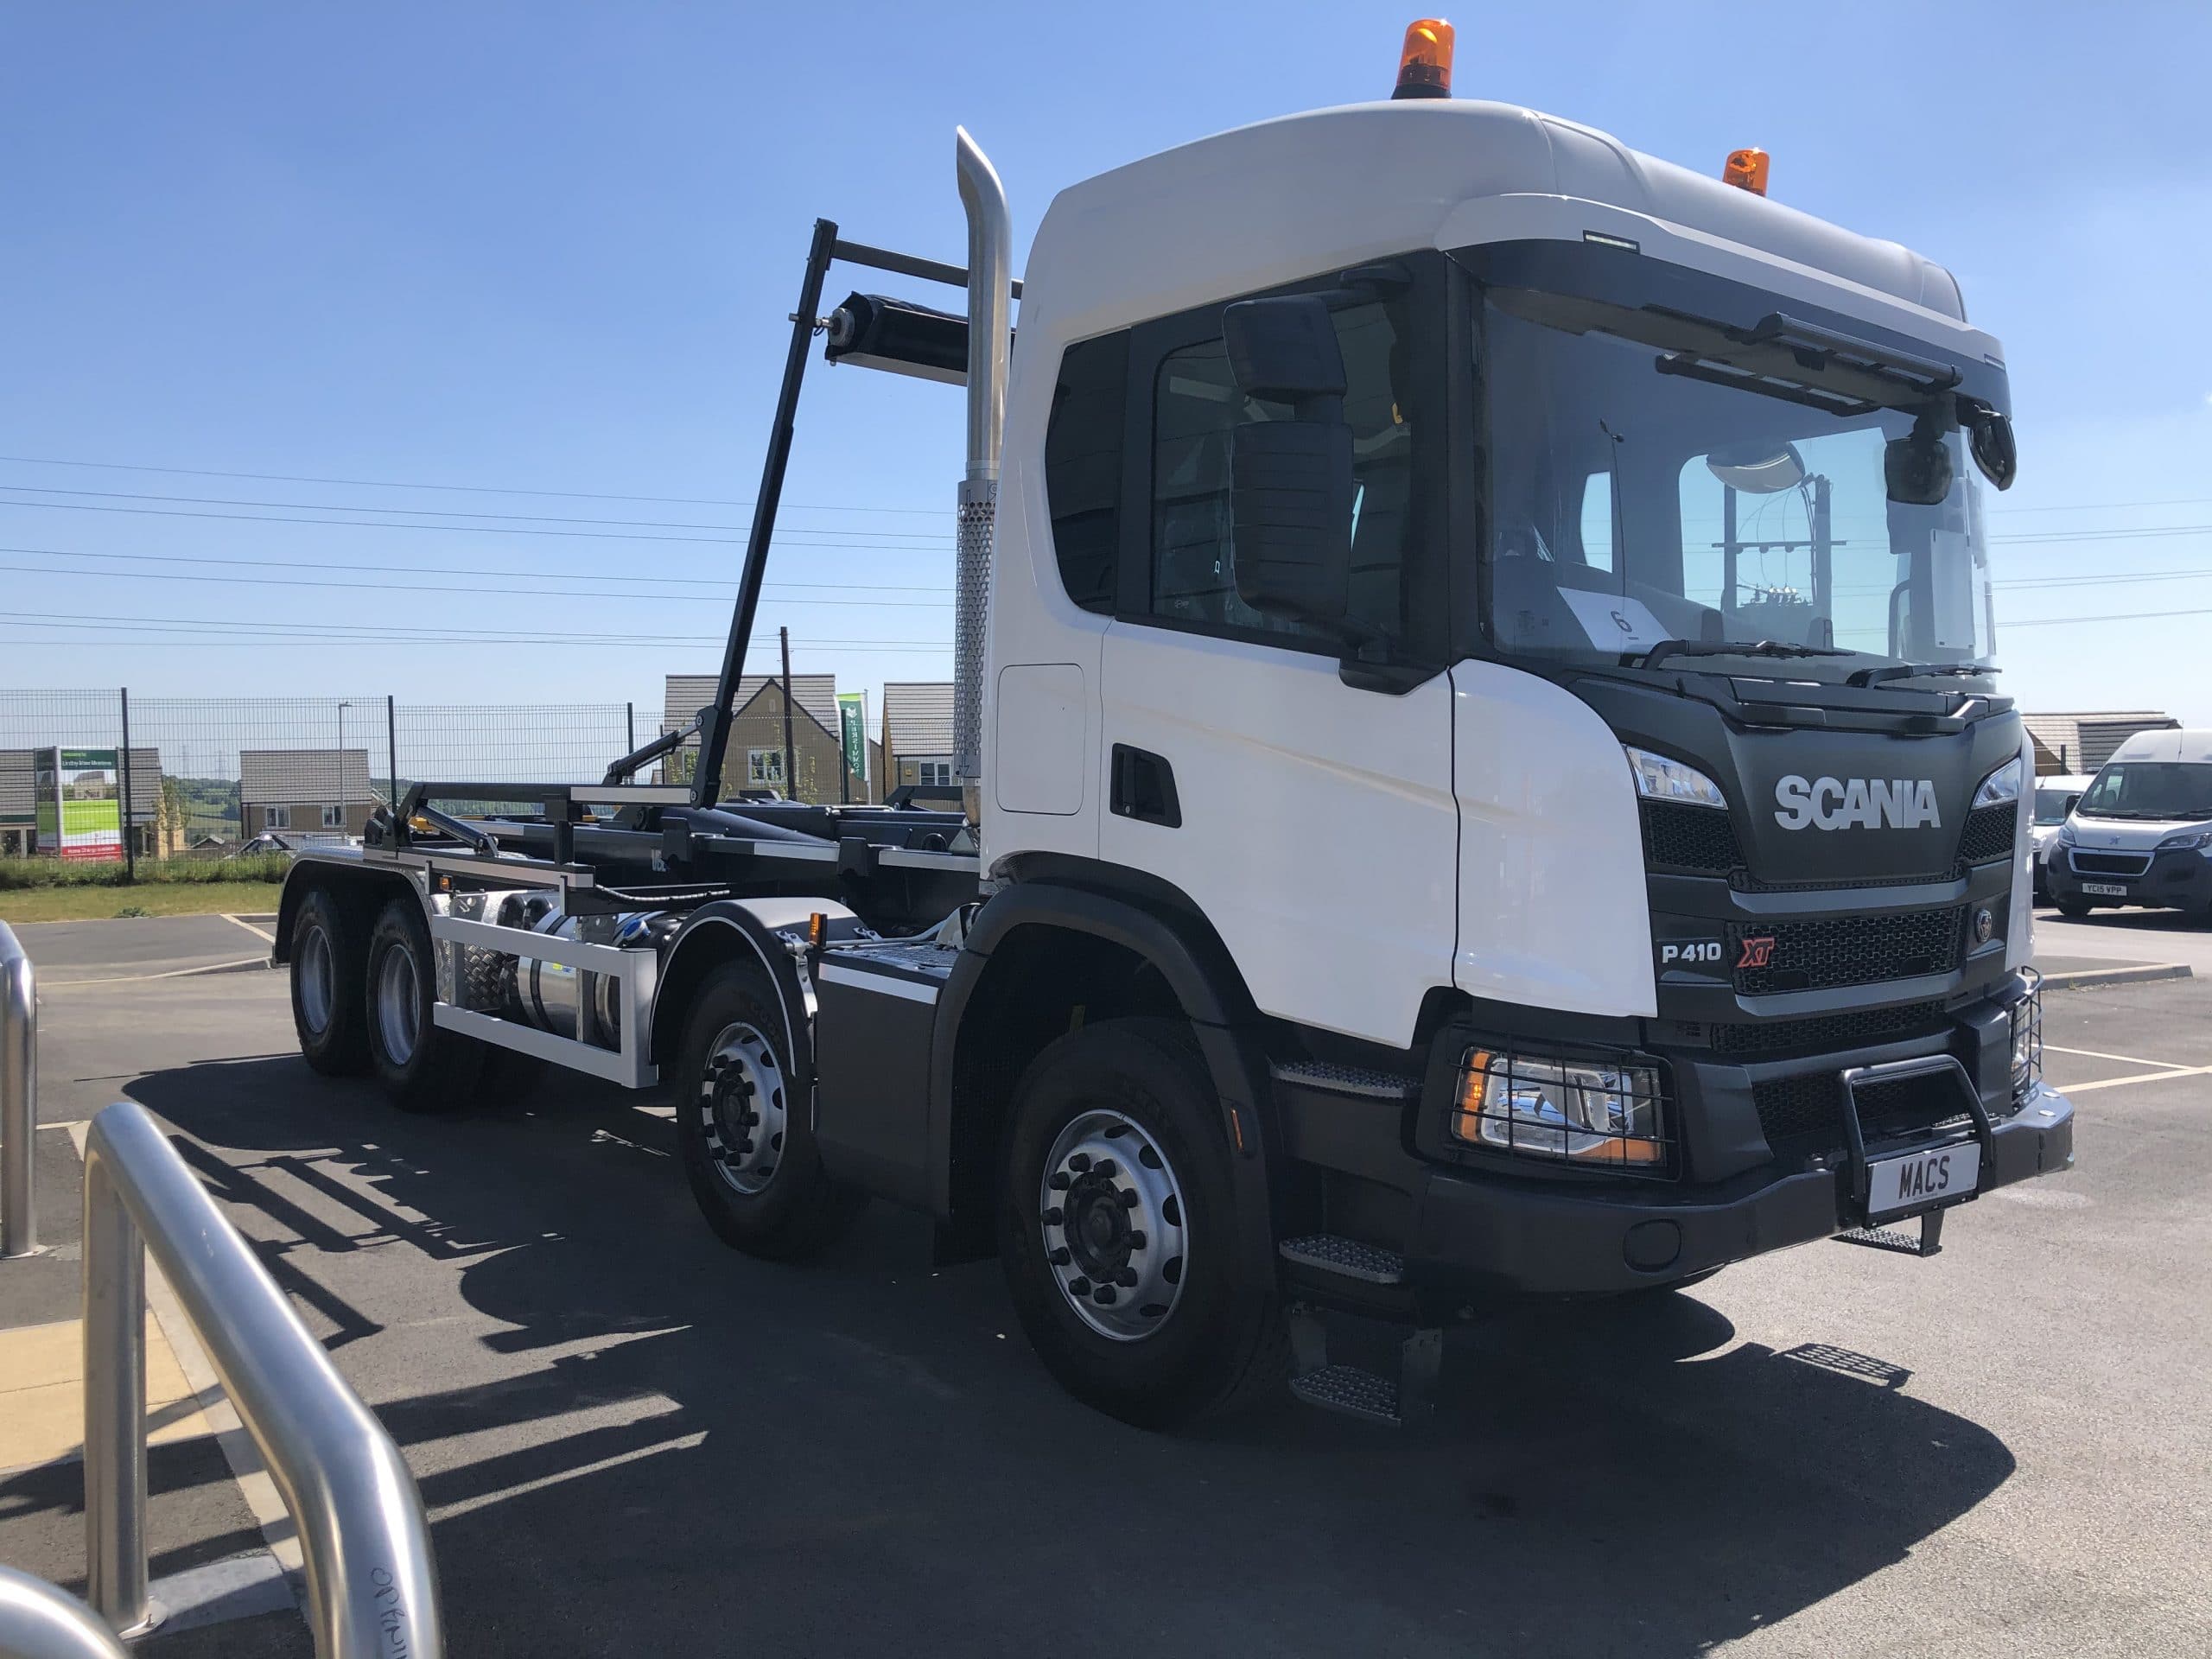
x: 1948, y: 1173
x: 2105, y: 889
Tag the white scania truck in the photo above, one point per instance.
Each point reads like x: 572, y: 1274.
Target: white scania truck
x: 1473, y: 672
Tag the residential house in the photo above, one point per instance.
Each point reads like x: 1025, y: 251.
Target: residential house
x: 918, y: 733
x: 304, y: 790
x: 2081, y: 743
x: 754, y: 759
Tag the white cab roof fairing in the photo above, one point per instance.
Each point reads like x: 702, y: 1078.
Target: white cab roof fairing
x: 2185, y: 746
x: 1291, y: 198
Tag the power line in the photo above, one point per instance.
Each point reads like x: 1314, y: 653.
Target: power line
x: 462, y: 570
x: 2068, y: 621
x: 428, y: 512
x: 426, y: 588
x: 213, y: 632
x: 472, y: 530
x: 469, y: 489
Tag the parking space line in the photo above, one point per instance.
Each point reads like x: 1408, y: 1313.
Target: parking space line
x: 45, y: 984
x: 2099, y: 1054
x: 2072, y: 1089
x: 256, y: 932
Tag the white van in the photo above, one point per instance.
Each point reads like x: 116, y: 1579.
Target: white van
x: 2142, y: 833
x: 2054, y: 801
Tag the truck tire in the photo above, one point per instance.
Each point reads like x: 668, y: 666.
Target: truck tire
x: 422, y: 1067
x: 748, y: 1146
x: 1118, y: 1231
x: 327, y: 958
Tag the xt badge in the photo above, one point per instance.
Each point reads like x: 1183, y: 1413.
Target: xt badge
x: 1757, y: 952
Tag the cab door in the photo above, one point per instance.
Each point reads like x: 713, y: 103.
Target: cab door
x: 1305, y: 808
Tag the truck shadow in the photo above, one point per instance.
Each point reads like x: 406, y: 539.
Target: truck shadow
x: 684, y: 1449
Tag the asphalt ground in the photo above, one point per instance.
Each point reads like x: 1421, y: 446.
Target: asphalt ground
x: 632, y: 1440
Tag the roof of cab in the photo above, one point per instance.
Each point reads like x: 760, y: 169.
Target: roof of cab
x: 2184, y: 745
x: 1221, y: 214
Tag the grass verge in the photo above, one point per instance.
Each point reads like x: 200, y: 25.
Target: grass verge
x: 78, y: 904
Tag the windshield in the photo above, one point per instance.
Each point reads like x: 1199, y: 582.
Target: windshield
x: 2151, y: 789
x: 2053, y: 804
x: 1643, y: 489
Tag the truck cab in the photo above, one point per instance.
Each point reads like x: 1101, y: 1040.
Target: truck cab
x: 1475, y: 672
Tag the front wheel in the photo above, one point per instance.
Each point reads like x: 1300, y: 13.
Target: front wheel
x: 741, y: 1124
x: 2073, y: 909
x: 1118, y: 1231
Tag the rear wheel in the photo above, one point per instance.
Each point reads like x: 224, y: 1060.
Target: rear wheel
x: 422, y: 1067
x: 742, y: 1125
x: 326, y: 954
x: 1118, y: 1236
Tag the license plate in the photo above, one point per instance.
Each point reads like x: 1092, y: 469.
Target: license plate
x: 2105, y: 889
x: 1946, y: 1172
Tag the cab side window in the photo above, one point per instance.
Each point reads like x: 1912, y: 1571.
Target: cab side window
x: 1083, y: 467
x: 1195, y: 404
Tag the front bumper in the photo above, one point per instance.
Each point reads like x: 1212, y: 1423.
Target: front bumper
x: 2179, y: 879
x: 1483, y: 1236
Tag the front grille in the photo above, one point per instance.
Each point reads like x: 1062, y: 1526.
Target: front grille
x: 1682, y: 837
x: 1991, y: 832
x: 1814, y: 955
x: 1804, y: 1114
x: 1830, y: 1031
x: 2110, y: 863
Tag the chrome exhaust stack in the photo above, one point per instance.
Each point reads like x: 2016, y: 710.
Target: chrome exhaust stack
x: 990, y: 278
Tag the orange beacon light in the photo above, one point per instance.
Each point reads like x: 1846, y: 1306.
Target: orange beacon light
x: 1425, y: 65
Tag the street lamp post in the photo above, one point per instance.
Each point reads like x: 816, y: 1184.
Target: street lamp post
x: 342, y: 802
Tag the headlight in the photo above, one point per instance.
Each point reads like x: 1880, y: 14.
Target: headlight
x: 1658, y: 778
x: 2001, y: 785
x: 2065, y: 835
x: 2188, y: 842
x: 1578, y: 1111
x: 2027, y: 1039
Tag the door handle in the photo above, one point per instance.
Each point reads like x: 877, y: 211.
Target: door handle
x: 1144, y: 788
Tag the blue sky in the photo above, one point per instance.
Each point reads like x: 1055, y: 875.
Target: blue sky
x: 550, y: 247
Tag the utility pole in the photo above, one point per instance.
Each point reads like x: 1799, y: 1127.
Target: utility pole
x: 791, y: 766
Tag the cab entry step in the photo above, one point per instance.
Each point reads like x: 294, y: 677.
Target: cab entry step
x: 1327, y: 1253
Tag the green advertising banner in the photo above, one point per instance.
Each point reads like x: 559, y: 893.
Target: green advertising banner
x: 80, y: 804
x: 852, y: 721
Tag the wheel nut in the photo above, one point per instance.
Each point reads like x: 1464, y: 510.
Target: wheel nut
x: 1127, y: 1278
x: 1059, y: 1258
x: 1079, y: 1284
x: 1057, y: 1182
x: 1136, y: 1239
x: 1105, y: 1166
x: 744, y: 1147
x: 1080, y: 1162
x: 1129, y: 1198
x: 1105, y: 1295
x: 1053, y: 1217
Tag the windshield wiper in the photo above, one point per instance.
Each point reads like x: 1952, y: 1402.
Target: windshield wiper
x: 1883, y: 675
x: 1666, y: 648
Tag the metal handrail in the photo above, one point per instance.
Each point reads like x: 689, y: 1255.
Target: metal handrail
x: 371, y: 1584
x: 40, y: 1622
x: 18, y: 1098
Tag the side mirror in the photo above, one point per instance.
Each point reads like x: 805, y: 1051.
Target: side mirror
x: 1290, y: 481
x: 1917, y: 468
x: 1995, y: 451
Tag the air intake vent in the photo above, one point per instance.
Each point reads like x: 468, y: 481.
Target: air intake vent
x: 1991, y: 832
x: 1679, y: 837
x: 1830, y: 1031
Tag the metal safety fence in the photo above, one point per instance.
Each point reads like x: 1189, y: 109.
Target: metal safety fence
x: 106, y: 778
